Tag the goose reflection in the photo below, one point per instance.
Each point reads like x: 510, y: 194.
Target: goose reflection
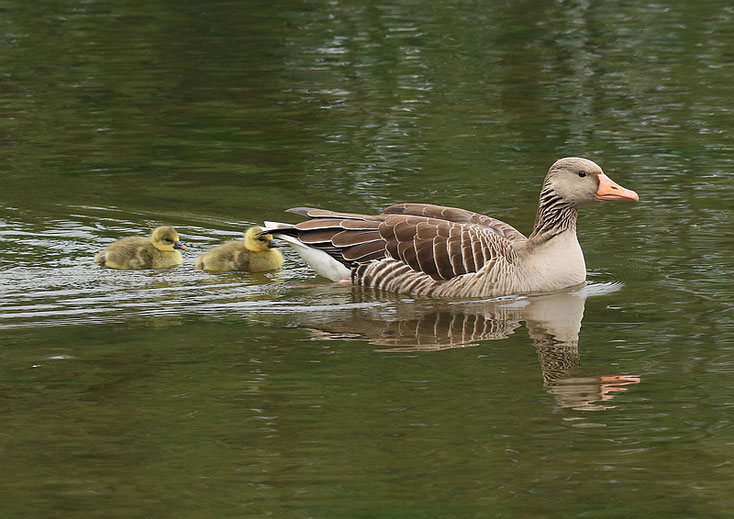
x: 553, y: 322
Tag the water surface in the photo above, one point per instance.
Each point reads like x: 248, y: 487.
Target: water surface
x: 178, y: 393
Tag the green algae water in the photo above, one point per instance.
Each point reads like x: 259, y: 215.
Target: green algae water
x: 177, y: 393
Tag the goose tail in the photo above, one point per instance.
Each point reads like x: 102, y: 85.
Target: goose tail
x: 324, y: 264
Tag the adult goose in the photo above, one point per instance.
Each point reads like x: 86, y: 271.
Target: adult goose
x: 430, y: 250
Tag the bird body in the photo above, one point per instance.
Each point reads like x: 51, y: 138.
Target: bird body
x: 430, y: 250
x: 159, y: 251
x: 257, y: 253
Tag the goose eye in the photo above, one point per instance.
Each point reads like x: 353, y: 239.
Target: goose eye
x: 169, y: 240
x: 582, y: 174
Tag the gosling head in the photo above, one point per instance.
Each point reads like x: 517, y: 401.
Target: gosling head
x: 258, y: 241
x: 165, y: 239
x: 580, y: 181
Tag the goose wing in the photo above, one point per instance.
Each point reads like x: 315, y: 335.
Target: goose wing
x: 456, y: 215
x: 442, y: 249
x: 437, y: 247
x: 349, y: 238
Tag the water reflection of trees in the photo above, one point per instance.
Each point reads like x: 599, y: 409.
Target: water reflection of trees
x: 553, y: 323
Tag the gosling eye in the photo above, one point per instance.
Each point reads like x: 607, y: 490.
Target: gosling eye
x: 261, y: 239
x: 169, y: 240
x: 582, y: 174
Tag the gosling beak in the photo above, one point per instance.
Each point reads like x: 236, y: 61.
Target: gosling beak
x: 273, y: 245
x: 610, y: 190
x: 179, y: 245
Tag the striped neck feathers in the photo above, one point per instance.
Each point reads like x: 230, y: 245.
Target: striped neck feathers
x: 555, y: 215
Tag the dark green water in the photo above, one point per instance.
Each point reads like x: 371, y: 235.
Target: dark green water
x: 181, y: 394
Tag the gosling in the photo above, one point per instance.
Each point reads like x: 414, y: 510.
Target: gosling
x: 257, y: 253
x: 135, y: 253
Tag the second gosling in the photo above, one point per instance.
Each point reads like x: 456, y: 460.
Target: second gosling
x: 135, y: 253
x: 257, y: 253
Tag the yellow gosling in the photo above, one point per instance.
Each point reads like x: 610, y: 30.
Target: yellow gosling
x: 257, y: 253
x: 135, y: 253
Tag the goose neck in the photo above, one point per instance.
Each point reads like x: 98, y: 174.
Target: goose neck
x: 555, y: 216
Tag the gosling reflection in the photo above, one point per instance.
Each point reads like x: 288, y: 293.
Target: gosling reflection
x: 553, y: 322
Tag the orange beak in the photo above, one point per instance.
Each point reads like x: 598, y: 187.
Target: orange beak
x: 610, y: 190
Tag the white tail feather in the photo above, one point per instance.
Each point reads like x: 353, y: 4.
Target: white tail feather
x: 321, y: 262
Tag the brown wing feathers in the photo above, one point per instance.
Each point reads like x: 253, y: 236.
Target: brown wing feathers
x: 311, y: 212
x: 456, y: 215
x: 441, y: 249
x: 438, y: 247
x: 347, y: 237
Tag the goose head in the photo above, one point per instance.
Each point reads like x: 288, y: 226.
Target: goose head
x: 166, y: 239
x: 258, y: 241
x: 579, y: 181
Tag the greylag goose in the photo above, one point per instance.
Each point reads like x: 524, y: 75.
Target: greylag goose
x: 430, y: 250
x: 135, y: 253
x: 257, y: 253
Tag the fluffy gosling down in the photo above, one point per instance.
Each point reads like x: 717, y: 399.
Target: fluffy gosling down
x: 160, y: 251
x: 257, y: 253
